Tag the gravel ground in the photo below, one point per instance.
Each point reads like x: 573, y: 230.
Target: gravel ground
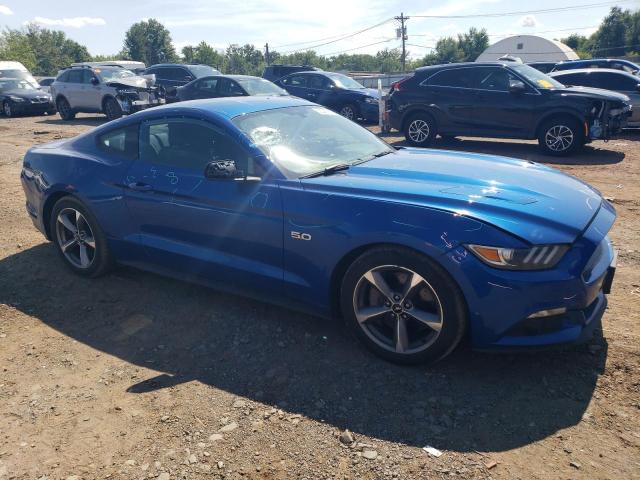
x: 135, y: 376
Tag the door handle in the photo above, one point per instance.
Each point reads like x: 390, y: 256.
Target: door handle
x: 140, y: 187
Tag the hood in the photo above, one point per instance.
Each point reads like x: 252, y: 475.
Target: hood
x: 598, y: 93
x: 535, y: 203
x: 28, y: 94
x: 365, y: 92
x: 135, y: 82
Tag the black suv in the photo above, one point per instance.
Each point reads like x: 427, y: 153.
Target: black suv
x: 275, y: 72
x: 176, y: 74
x: 502, y: 100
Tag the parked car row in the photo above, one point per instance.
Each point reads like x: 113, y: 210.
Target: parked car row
x: 610, y: 63
x: 503, y: 100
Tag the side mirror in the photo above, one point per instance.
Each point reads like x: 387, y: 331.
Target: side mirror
x: 222, y: 170
x: 188, y: 78
x: 95, y: 81
x: 516, y: 86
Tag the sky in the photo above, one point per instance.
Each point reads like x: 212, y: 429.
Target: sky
x: 289, y: 25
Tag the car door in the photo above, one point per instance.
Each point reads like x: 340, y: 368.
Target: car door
x: 203, y: 88
x: 498, y: 111
x: 75, y: 89
x: 295, y: 84
x: 227, y: 232
x: 93, y: 92
x: 229, y: 88
x: 451, y: 90
x: 319, y: 90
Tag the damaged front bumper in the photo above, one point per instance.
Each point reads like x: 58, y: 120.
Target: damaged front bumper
x: 606, y: 120
x: 132, y: 100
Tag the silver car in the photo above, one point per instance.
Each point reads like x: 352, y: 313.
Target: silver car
x: 112, y: 90
x: 608, y: 79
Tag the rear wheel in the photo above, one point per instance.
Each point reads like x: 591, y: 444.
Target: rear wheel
x: 403, y: 306
x: 64, y: 109
x: 560, y: 136
x: 78, y: 238
x: 112, y: 109
x: 420, y: 129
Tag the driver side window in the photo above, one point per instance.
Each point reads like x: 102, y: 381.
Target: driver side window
x: 189, y: 144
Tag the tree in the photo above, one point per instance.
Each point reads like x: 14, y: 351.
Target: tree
x: 610, y: 38
x: 473, y: 43
x: 14, y: 45
x: 149, y: 42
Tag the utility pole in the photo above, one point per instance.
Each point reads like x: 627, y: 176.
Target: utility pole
x: 403, y: 35
x: 266, y: 54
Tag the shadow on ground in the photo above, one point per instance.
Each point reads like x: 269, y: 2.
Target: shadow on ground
x: 592, y: 154
x: 303, y: 364
x: 86, y: 121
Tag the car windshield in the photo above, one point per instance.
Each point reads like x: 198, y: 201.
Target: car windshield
x: 539, y: 79
x: 309, y: 139
x: 109, y: 74
x: 20, y: 75
x: 203, y: 70
x: 14, y: 84
x: 258, y: 86
x: 345, y: 82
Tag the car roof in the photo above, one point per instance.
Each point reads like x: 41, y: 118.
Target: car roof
x: 467, y: 64
x: 573, y: 71
x: 230, y: 107
x: 186, y: 65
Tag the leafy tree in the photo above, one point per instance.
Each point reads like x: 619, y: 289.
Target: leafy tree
x: 149, y: 42
x: 14, y: 45
x: 473, y: 43
x: 610, y: 38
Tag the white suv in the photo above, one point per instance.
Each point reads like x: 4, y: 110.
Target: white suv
x: 114, y: 91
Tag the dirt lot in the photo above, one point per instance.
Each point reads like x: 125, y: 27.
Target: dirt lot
x: 137, y: 376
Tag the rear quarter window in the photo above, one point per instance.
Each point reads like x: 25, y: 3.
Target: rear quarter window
x: 120, y: 142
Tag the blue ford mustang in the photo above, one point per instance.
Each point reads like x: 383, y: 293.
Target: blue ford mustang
x: 287, y: 201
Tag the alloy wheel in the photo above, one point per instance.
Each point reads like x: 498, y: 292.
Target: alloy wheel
x: 7, y: 109
x: 75, y: 238
x: 559, y: 138
x: 347, y: 112
x: 398, y: 309
x: 63, y: 108
x: 419, y: 131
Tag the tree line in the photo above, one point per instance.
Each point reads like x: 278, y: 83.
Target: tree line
x: 44, y: 51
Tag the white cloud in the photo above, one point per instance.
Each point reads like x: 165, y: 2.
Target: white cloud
x: 529, y: 21
x: 74, y: 22
x: 4, y: 10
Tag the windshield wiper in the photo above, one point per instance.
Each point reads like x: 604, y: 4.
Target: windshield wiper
x: 371, y: 157
x: 329, y: 170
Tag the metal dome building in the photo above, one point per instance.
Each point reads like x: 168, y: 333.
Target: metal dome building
x: 529, y: 48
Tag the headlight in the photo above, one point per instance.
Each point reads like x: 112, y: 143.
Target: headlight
x: 534, y: 258
x: 16, y: 99
x: 370, y: 100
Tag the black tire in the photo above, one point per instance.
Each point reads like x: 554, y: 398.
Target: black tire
x: 350, y: 111
x: 561, y: 136
x: 7, y: 109
x: 420, y: 129
x: 438, y: 290
x: 112, y: 109
x: 101, y: 260
x: 64, y: 109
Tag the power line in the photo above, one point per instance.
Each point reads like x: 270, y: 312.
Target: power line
x: 355, y: 48
x: 342, y: 38
x: 526, y: 12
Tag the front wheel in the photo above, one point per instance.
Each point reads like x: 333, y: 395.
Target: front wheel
x: 7, y: 109
x: 349, y: 111
x: 78, y: 238
x: 560, y: 136
x: 420, y: 130
x: 112, y: 109
x: 403, y: 306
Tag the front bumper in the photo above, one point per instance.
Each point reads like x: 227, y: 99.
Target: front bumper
x: 369, y: 111
x: 33, y: 108
x: 503, y: 305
